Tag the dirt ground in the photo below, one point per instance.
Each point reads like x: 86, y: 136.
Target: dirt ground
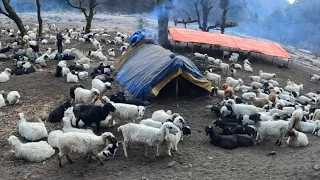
x: 196, y: 158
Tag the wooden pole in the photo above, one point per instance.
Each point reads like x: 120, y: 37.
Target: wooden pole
x: 177, y: 90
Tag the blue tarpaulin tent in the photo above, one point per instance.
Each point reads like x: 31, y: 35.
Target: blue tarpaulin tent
x: 150, y: 67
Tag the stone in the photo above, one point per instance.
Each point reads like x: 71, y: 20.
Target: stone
x: 170, y: 164
x: 206, y: 164
x: 271, y: 153
x: 189, y: 174
x: 316, y: 167
x: 144, y: 178
x: 210, y: 158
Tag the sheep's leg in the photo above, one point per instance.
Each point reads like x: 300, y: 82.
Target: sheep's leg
x: 158, y: 151
x: 69, y: 159
x: 125, y: 143
x: 59, y: 159
x: 101, y: 162
x: 175, y: 147
x: 146, y: 148
x: 98, y: 127
x: 169, y: 146
x: 77, y: 122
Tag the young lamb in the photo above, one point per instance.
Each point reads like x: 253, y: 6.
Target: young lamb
x: 297, y: 139
x: 144, y: 134
x: 128, y: 112
x: 162, y: 116
x: 72, y: 77
x: 316, y: 115
x: 32, y: 131
x: 274, y: 83
x: 5, y: 75
x: 266, y: 76
x: 85, y: 144
x: 58, y: 113
x: 237, y: 66
x: 241, y: 109
x: 13, y: 97
x: 234, y: 83
x: 111, y: 52
x: 92, y: 114
x: 100, y: 86
x: 67, y: 127
x: 83, y: 75
x: 213, y: 78
x: 85, y: 96
x: 225, y: 53
x: 215, y: 91
x: 31, y: 152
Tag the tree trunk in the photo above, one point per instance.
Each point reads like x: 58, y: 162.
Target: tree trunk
x: 13, y: 15
x: 39, y: 18
x: 223, y: 20
x: 89, y: 22
x: 163, y: 23
x: 205, y: 14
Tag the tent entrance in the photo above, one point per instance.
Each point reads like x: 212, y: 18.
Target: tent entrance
x: 183, y: 88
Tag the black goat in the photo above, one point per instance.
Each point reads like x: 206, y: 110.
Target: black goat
x: 58, y: 71
x: 223, y: 141
x: 57, y: 114
x: 118, y: 98
x: 244, y: 140
x: 4, y: 50
x: 92, y: 114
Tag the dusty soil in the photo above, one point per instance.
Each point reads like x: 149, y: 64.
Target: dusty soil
x: 196, y: 158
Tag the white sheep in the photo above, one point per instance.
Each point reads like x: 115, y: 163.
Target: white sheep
x: 274, y: 83
x: 65, y: 71
x: 83, y: 75
x: 13, y: 97
x: 212, y: 77
x: 69, y: 114
x: 247, y: 67
x: 162, y: 116
x: 225, y: 53
x: 67, y: 127
x: 316, y: 115
x: 31, y: 152
x: 144, y: 134
x: 266, y: 76
x: 53, y: 138
x: 62, y: 63
x: 244, y: 88
x: 111, y: 52
x: 224, y: 67
x: 277, y: 129
x: 85, y: 144
x: 255, y: 78
x: 256, y: 85
x: 101, y: 86
x: 128, y: 112
x: 85, y: 96
x: 32, y: 131
x: 72, y: 78
x: 237, y: 66
x: 234, y: 83
x: 241, y: 109
x: 151, y: 123
x: 297, y: 139
x: 5, y: 75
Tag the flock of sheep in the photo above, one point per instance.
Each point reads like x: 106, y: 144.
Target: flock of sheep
x: 264, y: 110
x: 87, y: 107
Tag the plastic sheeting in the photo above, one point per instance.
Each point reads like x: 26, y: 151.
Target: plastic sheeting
x: 151, y: 65
x: 193, y: 36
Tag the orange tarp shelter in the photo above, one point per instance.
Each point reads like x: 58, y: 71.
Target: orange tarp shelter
x: 194, y: 36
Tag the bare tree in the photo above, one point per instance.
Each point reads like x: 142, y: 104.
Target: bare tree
x: 39, y: 18
x: 10, y: 13
x: 163, y: 21
x: 88, y: 8
x: 203, y: 9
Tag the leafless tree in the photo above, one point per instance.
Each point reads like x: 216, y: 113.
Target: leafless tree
x: 10, y: 13
x: 203, y: 9
x: 39, y: 18
x: 88, y: 8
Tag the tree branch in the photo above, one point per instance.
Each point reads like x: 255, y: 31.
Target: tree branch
x: 198, y: 14
x: 82, y: 9
x: 4, y: 13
